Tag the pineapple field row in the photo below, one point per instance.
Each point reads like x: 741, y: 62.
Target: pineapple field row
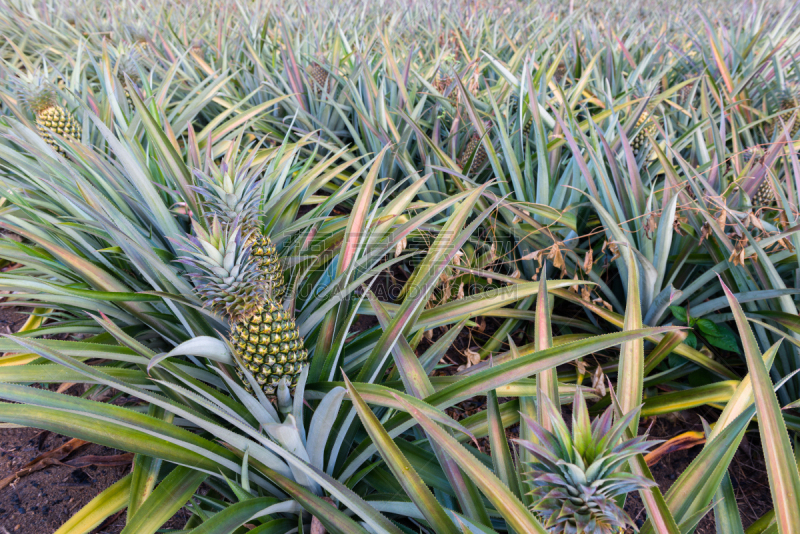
x: 391, y: 267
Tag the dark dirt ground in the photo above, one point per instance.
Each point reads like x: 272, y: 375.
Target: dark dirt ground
x: 747, y: 470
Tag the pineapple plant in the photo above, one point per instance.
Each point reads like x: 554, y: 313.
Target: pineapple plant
x: 263, y: 335
x: 574, y: 477
x: 233, y: 200
x: 39, y: 96
x: 788, y: 99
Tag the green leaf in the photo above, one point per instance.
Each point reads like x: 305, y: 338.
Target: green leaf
x: 679, y: 313
x: 504, y: 501
x: 781, y: 466
x: 404, y: 473
x: 708, y: 328
x: 631, y: 360
x: 165, y: 501
x: 108, y: 502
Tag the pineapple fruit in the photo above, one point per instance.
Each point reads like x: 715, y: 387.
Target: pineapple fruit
x: 764, y: 195
x: 441, y: 83
x: 40, y: 97
x: 574, y: 478
x: 319, y: 78
x: 788, y: 104
x: 263, y: 335
x: 475, y: 146
x: 645, y: 127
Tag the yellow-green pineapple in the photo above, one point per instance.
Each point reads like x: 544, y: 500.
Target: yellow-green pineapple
x: 40, y: 97
x: 788, y: 99
x: 233, y: 199
x: 645, y: 127
x: 139, y: 37
x: 263, y: 334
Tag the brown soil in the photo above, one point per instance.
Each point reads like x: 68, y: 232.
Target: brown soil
x: 747, y: 470
x: 43, y: 501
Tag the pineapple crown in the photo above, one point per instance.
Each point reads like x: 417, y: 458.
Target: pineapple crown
x: 232, y: 199
x: 127, y: 60
x: 228, y: 280
x: 36, y: 91
x: 574, y: 477
x: 138, y: 34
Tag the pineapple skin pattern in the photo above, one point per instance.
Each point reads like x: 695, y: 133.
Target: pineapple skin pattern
x: 59, y: 120
x: 270, y: 345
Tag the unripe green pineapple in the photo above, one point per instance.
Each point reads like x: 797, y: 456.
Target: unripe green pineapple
x: 40, y: 97
x: 198, y: 47
x: 685, y: 92
x: 263, y: 335
x: 646, y: 126
x: 441, y: 83
x: 764, y: 195
x: 561, y: 72
x: 269, y: 342
x: 139, y: 37
x: 574, y: 478
x: 266, y: 255
x: 788, y: 105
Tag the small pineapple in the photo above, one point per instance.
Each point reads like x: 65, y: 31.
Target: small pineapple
x: 233, y: 200
x: 788, y: 105
x: 575, y: 478
x: 319, y: 77
x: 764, y: 196
x: 40, y: 97
x: 263, y: 335
x: 646, y: 127
x: 685, y: 92
x: 473, y: 146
